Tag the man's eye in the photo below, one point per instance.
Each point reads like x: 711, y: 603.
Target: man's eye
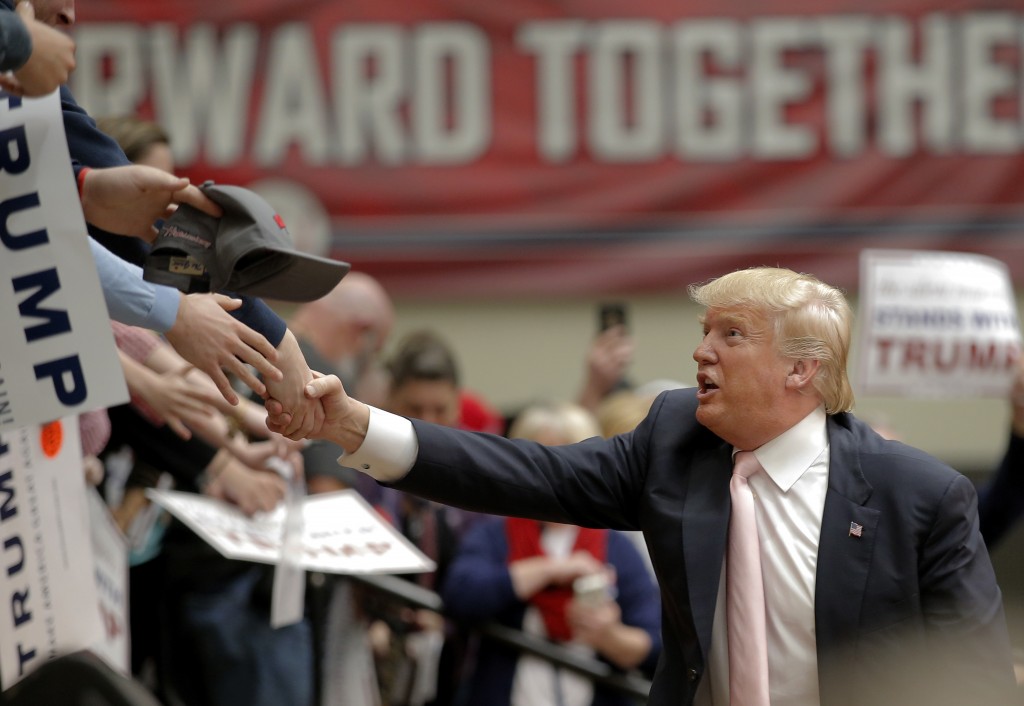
x: 734, y: 332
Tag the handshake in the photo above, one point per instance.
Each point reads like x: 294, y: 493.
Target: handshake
x: 326, y: 412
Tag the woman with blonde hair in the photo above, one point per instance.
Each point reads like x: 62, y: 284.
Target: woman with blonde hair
x: 582, y: 588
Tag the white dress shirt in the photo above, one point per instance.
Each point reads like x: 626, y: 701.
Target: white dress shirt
x: 389, y: 449
x: 790, y: 500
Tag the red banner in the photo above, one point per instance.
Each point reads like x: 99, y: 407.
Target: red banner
x: 542, y: 147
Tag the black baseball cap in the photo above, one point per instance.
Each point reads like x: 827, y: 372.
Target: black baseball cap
x: 248, y: 250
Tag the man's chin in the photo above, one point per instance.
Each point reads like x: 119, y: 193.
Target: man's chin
x: 705, y: 416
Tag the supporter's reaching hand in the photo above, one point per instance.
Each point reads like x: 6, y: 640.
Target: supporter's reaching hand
x: 305, y: 416
x: 254, y: 454
x: 607, y: 361
x: 592, y: 619
x: 251, y: 490
x: 129, y: 200
x: 598, y: 623
x: 207, y: 336
x: 52, y: 59
x: 180, y: 403
x: 536, y: 573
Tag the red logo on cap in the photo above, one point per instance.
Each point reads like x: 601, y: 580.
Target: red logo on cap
x: 279, y: 221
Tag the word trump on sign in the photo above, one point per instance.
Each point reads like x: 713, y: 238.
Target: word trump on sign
x: 936, y: 324
x: 57, y: 354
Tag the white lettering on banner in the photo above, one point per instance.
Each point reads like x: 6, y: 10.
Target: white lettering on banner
x: 294, y: 108
x: 701, y: 89
x: 202, y: 93
x: 555, y: 44
x: 450, y: 127
x: 908, y: 86
x: 625, y: 127
x: 368, y: 107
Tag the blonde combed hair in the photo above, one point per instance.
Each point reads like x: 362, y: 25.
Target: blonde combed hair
x: 812, y: 320
x: 567, y: 421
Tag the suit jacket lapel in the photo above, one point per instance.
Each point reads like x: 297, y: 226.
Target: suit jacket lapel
x: 705, y: 533
x: 848, y: 534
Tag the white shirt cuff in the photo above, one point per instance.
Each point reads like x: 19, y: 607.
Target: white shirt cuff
x: 389, y: 449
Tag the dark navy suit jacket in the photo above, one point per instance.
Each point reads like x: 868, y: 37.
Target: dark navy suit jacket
x: 909, y: 605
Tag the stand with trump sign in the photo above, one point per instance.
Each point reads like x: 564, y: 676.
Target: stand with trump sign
x: 936, y: 324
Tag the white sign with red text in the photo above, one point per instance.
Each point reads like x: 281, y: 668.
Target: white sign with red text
x: 341, y: 533
x: 110, y: 551
x: 936, y: 324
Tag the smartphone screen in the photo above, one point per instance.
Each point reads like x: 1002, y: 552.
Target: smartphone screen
x: 611, y: 314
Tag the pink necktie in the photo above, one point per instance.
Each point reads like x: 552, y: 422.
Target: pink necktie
x: 748, y: 640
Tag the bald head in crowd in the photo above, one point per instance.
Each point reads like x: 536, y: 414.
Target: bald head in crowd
x: 349, y: 326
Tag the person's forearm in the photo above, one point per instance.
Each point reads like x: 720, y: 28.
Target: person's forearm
x: 131, y: 299
x: 624, y: 646
x: 136, y: 375
x: 530, y: 576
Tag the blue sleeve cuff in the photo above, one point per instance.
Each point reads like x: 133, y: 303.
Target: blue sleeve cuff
x: 255, y: 314
x: 164, y: 313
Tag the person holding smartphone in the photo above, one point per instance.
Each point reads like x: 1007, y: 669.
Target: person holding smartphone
x: 584, y: 588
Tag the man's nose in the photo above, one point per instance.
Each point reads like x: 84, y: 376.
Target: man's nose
x: 703, y: 353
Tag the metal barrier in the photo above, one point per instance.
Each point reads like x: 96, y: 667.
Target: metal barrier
x: 599, y: 672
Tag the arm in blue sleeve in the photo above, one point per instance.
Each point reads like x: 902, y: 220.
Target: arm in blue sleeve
x: 15, y: 42
x: 255, y: 314
x: 131, y: 299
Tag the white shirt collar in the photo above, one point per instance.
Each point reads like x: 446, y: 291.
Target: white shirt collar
x: 787, y: 456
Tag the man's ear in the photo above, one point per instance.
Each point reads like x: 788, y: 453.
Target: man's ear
x: 802, y: 372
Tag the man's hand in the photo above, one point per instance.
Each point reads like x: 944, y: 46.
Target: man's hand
x: 207, y: 336
x: 250, y: 489
x: 607, y: 361
x: 305, y: 415
x: 129, y: 200
x: 180, y: 403
x: 345, y: 419
x: 52, y: 59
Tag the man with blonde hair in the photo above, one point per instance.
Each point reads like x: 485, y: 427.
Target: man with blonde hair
x: 868, y: 583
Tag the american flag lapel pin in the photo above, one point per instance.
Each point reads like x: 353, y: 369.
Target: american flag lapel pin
x: 856, y: 530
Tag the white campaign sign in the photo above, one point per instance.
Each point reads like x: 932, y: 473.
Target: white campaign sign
x: 936, y: 324
x: 341, y: 533
x: 47, y: 584
x: 57, y: 354
x: 110, y: 550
